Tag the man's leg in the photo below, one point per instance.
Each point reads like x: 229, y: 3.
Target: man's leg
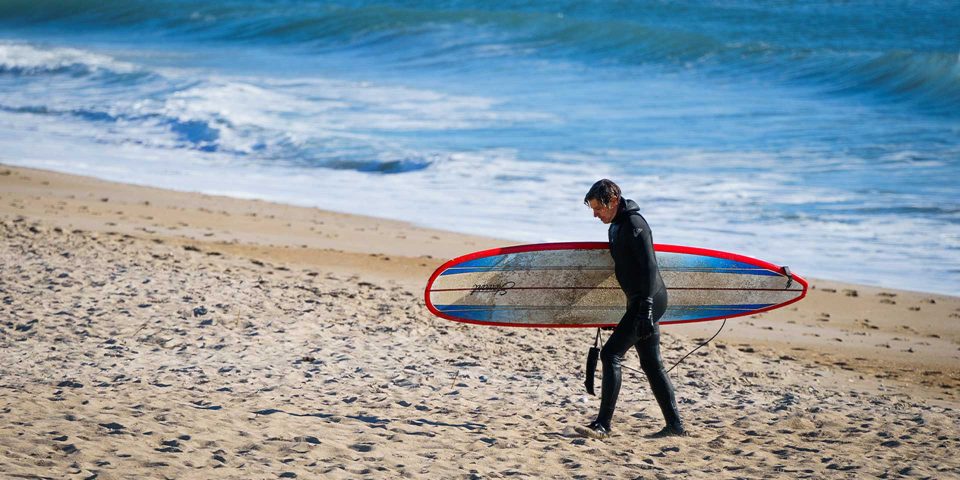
x: 652, y: 364
x: 611, y: 356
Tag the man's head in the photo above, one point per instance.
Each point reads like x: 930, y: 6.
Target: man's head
x: 604, y: 199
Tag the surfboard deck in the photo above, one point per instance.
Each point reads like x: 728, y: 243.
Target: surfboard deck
x: 573, y: 285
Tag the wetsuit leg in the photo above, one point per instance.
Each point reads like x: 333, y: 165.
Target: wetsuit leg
x: 652, y: 364
x: 611, y: 356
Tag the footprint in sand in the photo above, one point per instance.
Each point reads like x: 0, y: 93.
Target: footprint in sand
x: 362, y: 447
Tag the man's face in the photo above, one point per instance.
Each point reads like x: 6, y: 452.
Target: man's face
x: 605, y: 214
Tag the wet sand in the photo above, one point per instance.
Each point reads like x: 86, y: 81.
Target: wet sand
x: 148, y: 333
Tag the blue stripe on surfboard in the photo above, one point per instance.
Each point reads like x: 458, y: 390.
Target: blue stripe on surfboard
x: 458, y: 269
x: 513, y: 314
x: 680, y: 262
x: 693, y: 312
x: 732, y: 271
x: 504, y: 314
x: 481, y: 264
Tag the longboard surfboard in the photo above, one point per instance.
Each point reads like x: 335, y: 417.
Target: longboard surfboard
x: 573, y: 285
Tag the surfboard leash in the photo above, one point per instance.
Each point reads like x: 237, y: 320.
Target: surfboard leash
x: 599, y: 341
x: 698, y: 347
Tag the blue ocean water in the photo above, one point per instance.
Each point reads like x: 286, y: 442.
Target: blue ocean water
x: 818, y: 134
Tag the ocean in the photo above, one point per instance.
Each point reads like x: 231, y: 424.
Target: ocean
x: 822, y: 135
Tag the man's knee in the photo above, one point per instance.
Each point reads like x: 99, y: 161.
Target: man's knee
x: 610, y: 357
x: 652, y: 367
x: 651, y: 363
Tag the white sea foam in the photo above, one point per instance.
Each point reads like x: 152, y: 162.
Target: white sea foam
x: 305, y: 105
x: 32, y: 59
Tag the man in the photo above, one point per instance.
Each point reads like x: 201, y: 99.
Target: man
x: 635, y: 264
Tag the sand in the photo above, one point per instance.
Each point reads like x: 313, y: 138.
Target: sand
x: 147, y: 333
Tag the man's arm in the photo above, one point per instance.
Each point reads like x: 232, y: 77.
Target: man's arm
x: 641, y: 245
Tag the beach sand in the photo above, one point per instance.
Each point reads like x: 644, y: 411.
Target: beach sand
x: 148, y: 333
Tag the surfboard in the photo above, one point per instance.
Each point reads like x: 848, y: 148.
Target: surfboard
x: 573, y: 285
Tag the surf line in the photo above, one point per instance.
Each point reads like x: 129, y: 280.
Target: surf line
x: 496, y: 288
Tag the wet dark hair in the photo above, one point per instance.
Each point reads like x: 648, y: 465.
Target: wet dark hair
x: 604, y: 191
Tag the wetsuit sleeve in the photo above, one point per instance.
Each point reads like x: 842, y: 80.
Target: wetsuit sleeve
x: 641, y: 245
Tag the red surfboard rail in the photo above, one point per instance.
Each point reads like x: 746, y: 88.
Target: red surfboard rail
x: 658, y: 247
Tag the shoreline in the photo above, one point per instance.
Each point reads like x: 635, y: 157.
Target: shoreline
x: 182, y: 334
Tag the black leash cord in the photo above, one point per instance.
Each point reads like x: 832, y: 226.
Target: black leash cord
x: 598, y: 341
x: 698, y: 347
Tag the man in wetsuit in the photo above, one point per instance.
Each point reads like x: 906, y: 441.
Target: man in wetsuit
x: 635, y: 264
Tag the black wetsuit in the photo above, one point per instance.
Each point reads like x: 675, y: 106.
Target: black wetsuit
x: 631, y: 246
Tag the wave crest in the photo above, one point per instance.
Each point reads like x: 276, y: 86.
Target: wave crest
x: 26, y: 60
